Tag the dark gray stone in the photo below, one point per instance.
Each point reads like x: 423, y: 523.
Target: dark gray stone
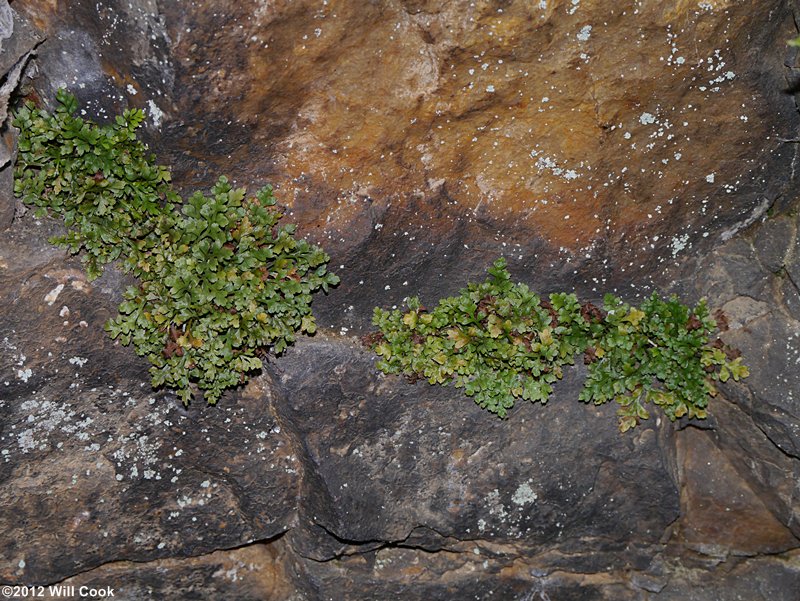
x: 95, y: 466
x: 421, y: 465
x: 793, y: 264
x: 773, y: 578
x: 774, y: 240
x: 17, y: 41
x: 790, y: 295
x: 325, y: 480
x: 770, y: 345
x: 18, y: 38
x: 251, y: 573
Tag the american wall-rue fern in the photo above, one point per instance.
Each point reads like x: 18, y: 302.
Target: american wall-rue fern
x: 500, y: 342
x: 220, y: 282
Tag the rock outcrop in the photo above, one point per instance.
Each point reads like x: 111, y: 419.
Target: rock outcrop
x: 598, y: 146
x: 17, y: 40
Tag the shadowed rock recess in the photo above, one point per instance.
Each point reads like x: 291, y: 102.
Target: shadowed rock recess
x: 599, y: 146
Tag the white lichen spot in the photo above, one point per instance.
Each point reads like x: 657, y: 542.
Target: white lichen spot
x: 679, y: 243
x: 131, y: 90
x: 524, y: 494
x: 496, y: 508
x: 710, y: 178
x: 79, y: 361
x: 155, y: 113
x: 584, y: 33
x: 52, y: 296
x: 490, y: 89
x: 24, y: 374
x: 647, y: 119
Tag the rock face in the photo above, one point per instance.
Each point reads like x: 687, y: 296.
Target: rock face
x: 583, y: 140
x: 598, y: 146
x: 422, y: 138
x: 17, y: 40
x: 125, y: 473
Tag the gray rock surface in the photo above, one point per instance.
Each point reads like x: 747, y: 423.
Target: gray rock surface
x: 421, y: 465
x: 323, y: 479
x: 121, y: 472
x: 17, y: 40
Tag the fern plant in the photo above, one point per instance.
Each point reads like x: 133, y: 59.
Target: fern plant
x: 99, y: 179
x: 500, y: 343
x: 221, y: 282
x: 228, y: 285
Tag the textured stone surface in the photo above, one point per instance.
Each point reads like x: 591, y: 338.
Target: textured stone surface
x: 774, y: 578
x: 487, y: 574
x: 764, y: 323
x: 599, y: 146
x: 723, y: 512
x: 552, y: 473
x: 423, y: 138
x: 757, y: 439
x: 95, y: 466
x: 17, y: 40
x: 774, y: 241
x: 252, y: 573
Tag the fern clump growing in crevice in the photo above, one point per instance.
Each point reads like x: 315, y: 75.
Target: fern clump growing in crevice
x: 221, y: 282
x: 500, y: 343
x: 113, y: 198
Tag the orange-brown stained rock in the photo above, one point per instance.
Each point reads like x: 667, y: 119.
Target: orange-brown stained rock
x: 721, y: 512
x: 255, y: 571
x: 576, y: 121
x: 592, y: 143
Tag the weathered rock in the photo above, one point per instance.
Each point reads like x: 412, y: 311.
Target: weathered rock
x: 776, y: 578
x: 734, y: 271
x: 438, y: 135
x: 600, y: 147
x: 790, y: 296
x: 251, y: 573
x: 486, y: 575
x: 17, y: 41
x: 96, y: 467
x: 723, y: 514
x: 422, y: 465
x: 423, y: 138
x: 109, y: 54
x: 765, y: 468
x: 764, y: 324
x: 793, y: 264
x: 774, y: 241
